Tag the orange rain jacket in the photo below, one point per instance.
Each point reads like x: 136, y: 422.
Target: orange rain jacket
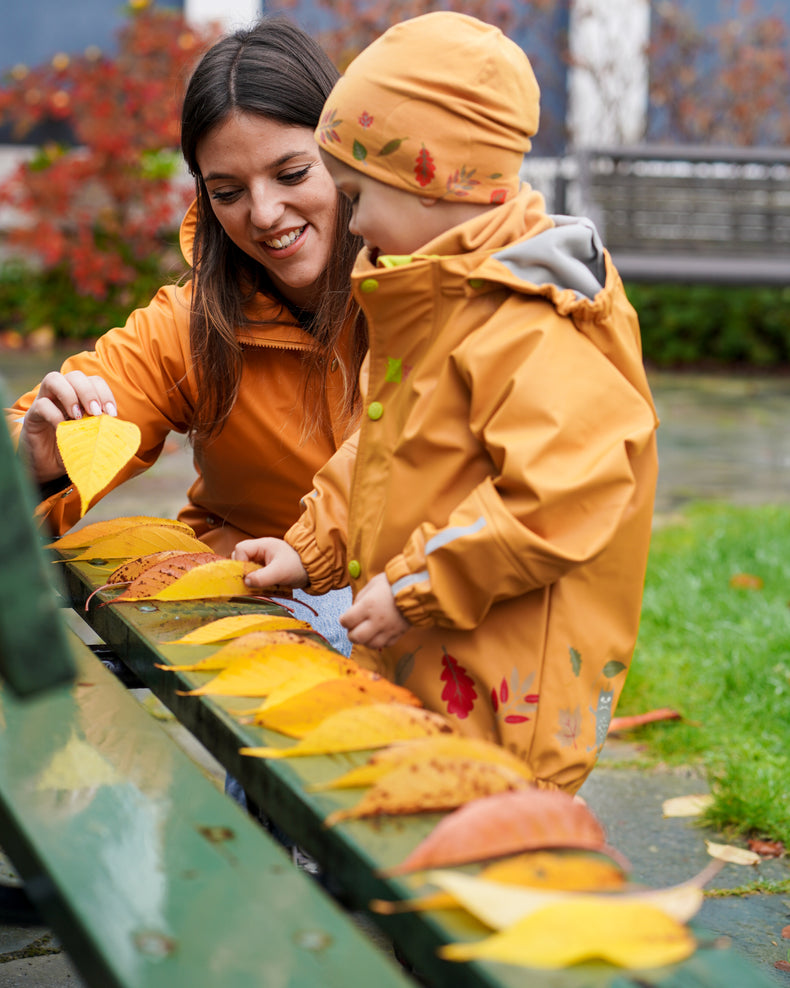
x: 251, y: 477
x: 504, y: 481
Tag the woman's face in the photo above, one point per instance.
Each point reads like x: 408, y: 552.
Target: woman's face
x: 273, y: 197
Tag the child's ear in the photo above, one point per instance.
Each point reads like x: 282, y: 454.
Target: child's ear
x: 427, y: 201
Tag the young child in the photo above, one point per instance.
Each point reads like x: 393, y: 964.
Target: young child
x: 493, y: 515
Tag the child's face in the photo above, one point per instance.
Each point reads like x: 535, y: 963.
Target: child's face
x: 390, y: 220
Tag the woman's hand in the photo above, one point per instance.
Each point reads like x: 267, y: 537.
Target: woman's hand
x: 280, y: 564
x: 60, y: 397
x: 374, y: 619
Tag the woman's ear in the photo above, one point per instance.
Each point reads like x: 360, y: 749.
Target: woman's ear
x: 427, y: 201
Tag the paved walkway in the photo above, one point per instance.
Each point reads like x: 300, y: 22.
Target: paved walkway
x: 720, y: 439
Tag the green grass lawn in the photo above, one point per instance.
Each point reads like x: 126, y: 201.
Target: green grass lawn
x: 720, y: 655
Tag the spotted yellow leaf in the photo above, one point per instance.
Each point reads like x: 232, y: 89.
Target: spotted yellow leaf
x: 221, y: 578
x: 82, y: 538
x: 94, y: 449
x: 631, y: 935
x: 358, y: 728
x: 140, y: 541
x: 237, y: 625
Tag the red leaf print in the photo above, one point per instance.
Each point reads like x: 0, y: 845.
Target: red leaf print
x: 459, y: 694
x: 531, y: 697
x: 504, y: 693
x: 424, y: 167
x: 494, y: 700
x: 515, y: 719
x: 498, y: 196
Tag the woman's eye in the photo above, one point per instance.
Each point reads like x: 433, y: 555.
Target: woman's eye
x: 293, y: 178
x: 218, y: 195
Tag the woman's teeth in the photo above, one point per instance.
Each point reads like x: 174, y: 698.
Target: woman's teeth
x: 279, y: 242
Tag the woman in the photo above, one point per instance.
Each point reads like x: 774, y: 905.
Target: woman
x: 256, y: 356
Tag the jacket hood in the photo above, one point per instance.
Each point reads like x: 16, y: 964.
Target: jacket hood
x: 186, y: 233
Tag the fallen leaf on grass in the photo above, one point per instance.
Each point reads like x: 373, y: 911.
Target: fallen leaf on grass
x: 224, y: 629
x: 94, y: 450
x: 435, y: 785
x: 83, y: 537
x: 686, y: 805
x: 735, y: 855
x: 359, y: 728
x: 508, y: 823
x: 766, y: 848
x: 631, y: 935
x: 638, y: 720
x: 786, y: 932
x: 746, y: 581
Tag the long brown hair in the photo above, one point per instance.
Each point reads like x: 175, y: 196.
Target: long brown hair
x: 277, y: 71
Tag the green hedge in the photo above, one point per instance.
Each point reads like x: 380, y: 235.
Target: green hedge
x: 713, y: 325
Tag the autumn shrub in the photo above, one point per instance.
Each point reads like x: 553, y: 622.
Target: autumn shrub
x: 93, y: 213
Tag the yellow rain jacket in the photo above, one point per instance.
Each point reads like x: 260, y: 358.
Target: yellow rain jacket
x: 504, y: 481
x: 251, y: 477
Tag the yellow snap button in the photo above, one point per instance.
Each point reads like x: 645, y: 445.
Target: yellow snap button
x: 476, y: 282
x: 368, y: 285
x: 375, y: 410
x: 354, y: 569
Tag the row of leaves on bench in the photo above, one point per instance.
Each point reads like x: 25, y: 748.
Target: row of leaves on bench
x: 548, y: 886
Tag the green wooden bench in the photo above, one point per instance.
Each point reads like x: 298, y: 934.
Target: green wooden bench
x: 152, y: 874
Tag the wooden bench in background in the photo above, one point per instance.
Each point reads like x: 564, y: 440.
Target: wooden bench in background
x: 688, y: 213
x: 152, y: 877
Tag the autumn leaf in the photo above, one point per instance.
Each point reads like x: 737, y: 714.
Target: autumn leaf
x: 156, y: 579
x: 129, y: 570
x: 735, y: 855
x: 508, y: 823
x: 415, y: 752
x: 433, y: 785
x: 94, y: 449
x: 358, y: 728
x: 84, y: 537
x: 139, y: 541
x: 627, y: 723
x: 207, y: 580
x: 746, y: 581
x: 631, y: 935
x: 300, y: 713
x: 237, y: 625
x: 680, y: 806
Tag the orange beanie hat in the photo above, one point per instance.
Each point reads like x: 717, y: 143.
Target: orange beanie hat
x: 442, y: 106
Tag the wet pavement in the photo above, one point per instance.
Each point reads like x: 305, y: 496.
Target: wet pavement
x: 721, y: 438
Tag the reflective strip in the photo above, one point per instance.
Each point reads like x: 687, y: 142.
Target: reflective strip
x: 451, y: 534
x: 408, y: 581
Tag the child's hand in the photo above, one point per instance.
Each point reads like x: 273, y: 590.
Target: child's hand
x: 280, y: 564
x: 373, y: 619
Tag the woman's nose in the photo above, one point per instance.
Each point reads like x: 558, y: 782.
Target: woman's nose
x: 266, y: 207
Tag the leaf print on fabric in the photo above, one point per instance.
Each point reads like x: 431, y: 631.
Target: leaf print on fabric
x: 394, y: 372
x: 613, y: 668
x: 459, y: 692
x: 461, y: 183
x: 576, y: 660
x: 327, y: 126
x: 405, y: 666
x: 498, y: 196
x: 513, y: 702
x: 391, y: 146
x: 365, y: 120
x: 359, y: 151
x: 570, y: 727
x: 424, y: 167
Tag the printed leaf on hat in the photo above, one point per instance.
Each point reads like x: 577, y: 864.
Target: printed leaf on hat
x: 267, y: 668
x: 631, y: 935
x: 415, y: 752
x: 266, y: 647
x: 391, y: 146
x: 140, y: 540
x: 162, y: 572
x: 508, y: 823
x: 304, y: 710
x: 359, y: 728
x: 84, y: 537
x: 326, y: 128
x: 568, y: 871
x: 434, y: 785
x: 226, y: 628
x: 424, y: 167
x: 460, y: 183
x: 94, y: 449
x: 359, y: 151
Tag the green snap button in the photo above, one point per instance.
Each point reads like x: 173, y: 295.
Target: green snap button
x: 375, y: 410
x: 368, y: 285
x: 476, y: 282
x: 354, y: 569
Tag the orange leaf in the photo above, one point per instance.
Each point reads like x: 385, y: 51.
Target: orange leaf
x: 211, y: 577
x: 138, y: 541
x: 237, y: 625
x: 358, y: 728
x: 129, y: 570
x: 508, y: 823
x: 637, y: 720
x: 159, y: 575
x: 94, y: 450
x: 746, y: 581
x: 303, y: 711
x: 436, y: 785
x: 85, y: 536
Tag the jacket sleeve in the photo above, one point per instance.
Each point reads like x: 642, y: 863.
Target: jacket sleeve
x: 146, y: 364
x: 563, y: 431
x: 320, y: 535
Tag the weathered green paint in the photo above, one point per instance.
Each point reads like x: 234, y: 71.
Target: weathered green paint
x: 352, y: 853
x: 150, y: 876
x: 33, y: 651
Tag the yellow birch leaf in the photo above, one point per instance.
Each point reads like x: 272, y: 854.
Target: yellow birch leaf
x: 303, y: 711
x: 508, y: 823
x: 256, y: 675
x: 359, y: 728
x: 735, y: 855
x: 631, y: 935
x: 140, y: 541
x: 436, y: 785
x: 84, y: 537
x: 94, y: 449
x: 686, y: 805
x: 219, y: 578
x: 255, y: 643
x: 414, y: 752
x: 237, y: 625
